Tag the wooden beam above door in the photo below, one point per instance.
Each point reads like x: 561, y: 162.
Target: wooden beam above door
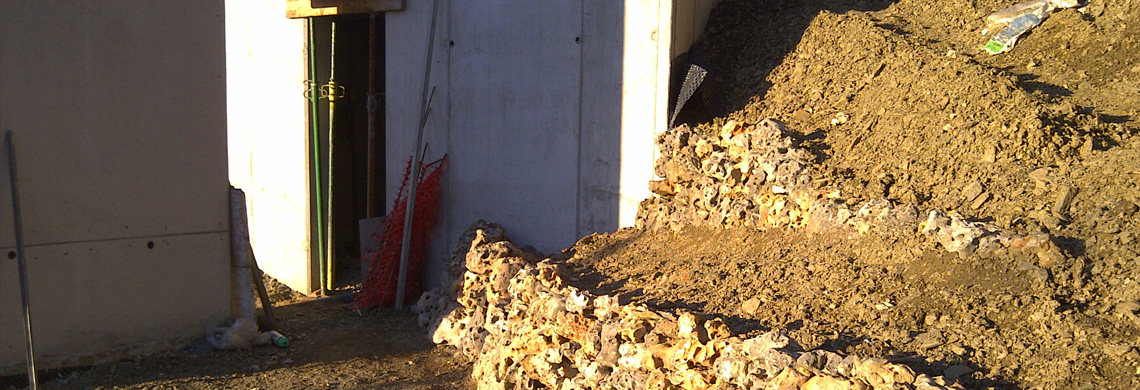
x: 308, y: 8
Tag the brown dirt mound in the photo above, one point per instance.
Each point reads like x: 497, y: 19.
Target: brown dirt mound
x: 896, y: 100
x: 893, y: 105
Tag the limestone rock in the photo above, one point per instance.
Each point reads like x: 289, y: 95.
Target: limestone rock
x: 525, y: 329
x: 751, y: 306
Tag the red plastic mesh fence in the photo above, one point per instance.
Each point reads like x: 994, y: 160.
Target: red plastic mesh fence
x: 379, y: 288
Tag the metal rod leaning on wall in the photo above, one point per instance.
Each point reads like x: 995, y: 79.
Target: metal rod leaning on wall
x: 373, y: 105
x: 21, y: 262
x: 333, y: 91
x: 405, y: 243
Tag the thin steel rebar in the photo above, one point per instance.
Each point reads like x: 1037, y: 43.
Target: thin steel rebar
x: 405, y: 244
x: 20, y: 258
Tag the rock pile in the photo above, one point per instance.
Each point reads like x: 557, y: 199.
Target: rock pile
x: 525, y: 329
x: 756, y: 175
x: 741, y: 178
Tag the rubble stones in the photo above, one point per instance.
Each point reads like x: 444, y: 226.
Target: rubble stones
x: 972, y: 191
x: 525, y: 329
x: 929, y: 339
x: 732, y: 179
x: 757, y: 176
x: 662, y: 187
x: 980, y: 200
x: 751, y: 306
x: 1064, y: 198
x: 1124, y: 208
x: 954, y: 372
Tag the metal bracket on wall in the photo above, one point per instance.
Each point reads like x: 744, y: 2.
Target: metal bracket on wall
x: 314, y: 92
x: 330, y: 90
x: 375, y: 101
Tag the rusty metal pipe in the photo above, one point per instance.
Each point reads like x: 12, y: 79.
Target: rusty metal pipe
x: 373, y: 105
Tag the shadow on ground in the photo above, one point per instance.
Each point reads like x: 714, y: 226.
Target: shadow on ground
x: 331, y: 347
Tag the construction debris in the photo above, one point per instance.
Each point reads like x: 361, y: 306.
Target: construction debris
x: 241, y: 334
x: 524, y: 328
x: 1020, y: 18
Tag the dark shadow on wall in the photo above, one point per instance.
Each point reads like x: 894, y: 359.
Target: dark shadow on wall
x: 350, y: 186
x: 743, y: 42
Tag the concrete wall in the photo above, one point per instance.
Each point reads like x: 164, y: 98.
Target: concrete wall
x: 547, y: 110
x: 268, y: 135
x: 559, y: 120
x: 118, y: 109
x: 689, y: 20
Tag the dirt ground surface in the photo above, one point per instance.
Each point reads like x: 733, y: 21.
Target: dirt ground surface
x: 330, y: 347
x: 894, y: 99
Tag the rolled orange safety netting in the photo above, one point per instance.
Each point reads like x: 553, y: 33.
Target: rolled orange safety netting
x: 379, y: 289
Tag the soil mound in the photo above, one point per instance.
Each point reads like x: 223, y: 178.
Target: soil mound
x: 897, y: 100
x: 890, y: 108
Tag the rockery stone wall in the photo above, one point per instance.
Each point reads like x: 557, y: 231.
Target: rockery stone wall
x: 756, y: 175
x: 512, y: 315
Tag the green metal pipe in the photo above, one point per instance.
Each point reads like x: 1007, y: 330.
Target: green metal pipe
x: 314, y: 105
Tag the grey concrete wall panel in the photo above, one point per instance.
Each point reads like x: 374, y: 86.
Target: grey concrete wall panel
x: 514, y: 82
x: 406, y: 50
x: 547, y: 119
x: 90, y: 297
x: 603, y: 41
x: 119, y: 114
